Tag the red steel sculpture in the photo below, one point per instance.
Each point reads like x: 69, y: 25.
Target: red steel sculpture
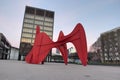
x: 43, y: 45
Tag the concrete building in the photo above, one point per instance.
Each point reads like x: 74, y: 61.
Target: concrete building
x: 14, y: 53
x: 32, y: 18
x: 5, y: 47
x: 108, y: 46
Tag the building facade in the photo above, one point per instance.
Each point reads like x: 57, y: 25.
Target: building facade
x: 95, y: 54
x: 5, y: 47
x: 32, y: 18
x: 110, y: 46
x: 14, y: 53
x: 107, y: 47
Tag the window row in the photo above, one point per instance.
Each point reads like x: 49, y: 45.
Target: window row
x: 26, y: 35
x: 48, y: 24
x: 29, y: 21
x: 38, y: 22
x: 31, y: 16
x: 26, y: 40
x: 109, y: 59
x: 49, y: 33
x: 27, y: 30
x: 29, y: 40
x: 49, y: 19
x: 41, y: 27
x: 34, y: 31
x: 39, y: 17
x: 27, y: 25
x: 48, y: 28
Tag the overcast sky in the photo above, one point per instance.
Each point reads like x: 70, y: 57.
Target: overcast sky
x: 97, y: 16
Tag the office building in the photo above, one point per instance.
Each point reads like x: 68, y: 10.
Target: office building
x: 110, y: 46
x: 107, y: 47
x: 5, y: 47
x: 32, y: 18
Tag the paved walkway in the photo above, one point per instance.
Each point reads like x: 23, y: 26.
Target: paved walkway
x: 19, y: 70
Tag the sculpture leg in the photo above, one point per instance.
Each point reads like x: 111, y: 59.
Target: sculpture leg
x: 63, y: 48
x: 81, y: 44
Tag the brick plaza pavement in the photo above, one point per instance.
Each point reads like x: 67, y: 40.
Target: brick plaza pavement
x: 20, y: 70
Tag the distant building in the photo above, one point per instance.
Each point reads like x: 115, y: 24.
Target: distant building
x: 73, y: 56
x: 14, y: 53
x: 71, y: 50
x: 5, y: 47
x: 57, y: 51
x: 108, y: 46
x: 32, y: 18
x: 94, y: 54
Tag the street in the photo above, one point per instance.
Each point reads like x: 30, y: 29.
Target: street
x: 20, y: 70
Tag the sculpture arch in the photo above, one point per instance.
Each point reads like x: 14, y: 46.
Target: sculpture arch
x: 43, y: 44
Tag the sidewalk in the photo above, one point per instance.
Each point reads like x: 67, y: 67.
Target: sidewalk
x: 19, y: 70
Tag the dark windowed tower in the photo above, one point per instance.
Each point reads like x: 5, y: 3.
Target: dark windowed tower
x: 32, y: 18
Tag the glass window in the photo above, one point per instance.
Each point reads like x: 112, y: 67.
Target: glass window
x: 29, y: 16
x: 41, y: 27
x: 28, y: 25
x: 33, y: 41
x: 41, y: 31
x: 35, y: 26
x: 29, y: 21
x: 26, y: 35
x: 27, y: 30
x: 48, y: 33
x: 105, y: 54
x: 48, y: 24
x: 26, y: 40
x: 117, y: 53
x: 48, y: 28
x: 34, y: 31
x: 39, y: 22
x: 118, y: 58
x: 105, y: 49
x: 39, y: 18
x: 106, y: 58
x: 34, y: 36
x: 49, y: 19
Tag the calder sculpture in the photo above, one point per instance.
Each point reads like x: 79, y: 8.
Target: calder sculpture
x: 43, y: 44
